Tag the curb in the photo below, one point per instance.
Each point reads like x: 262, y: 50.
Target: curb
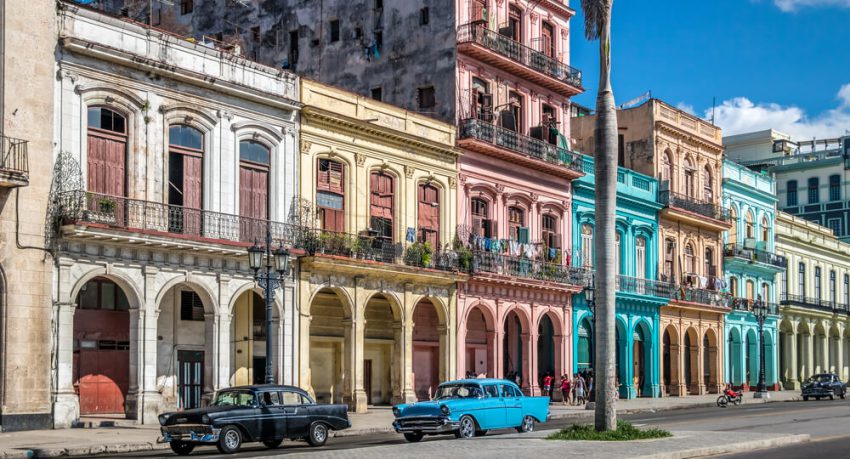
x: 86, y: 450
x: 731, y: 448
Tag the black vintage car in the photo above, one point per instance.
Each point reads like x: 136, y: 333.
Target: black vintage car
x: 263, y: 413
x: 824, y: 385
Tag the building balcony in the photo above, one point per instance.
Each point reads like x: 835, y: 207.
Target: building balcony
x: 752, y: 255
x: 814, y: 303
x: 705, y: 297
x: 528, y: 270
x: 491, y: 47
x: 747, y: 305
x: 694, y: 211
x: 14, y: 165
x: 492, y: 140
x: 648, y: 287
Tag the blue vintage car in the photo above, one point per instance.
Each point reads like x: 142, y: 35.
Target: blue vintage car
x: 469, y: 408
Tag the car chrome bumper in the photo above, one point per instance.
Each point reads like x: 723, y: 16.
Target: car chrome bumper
x: 203, y: 435
x: 429, y: 426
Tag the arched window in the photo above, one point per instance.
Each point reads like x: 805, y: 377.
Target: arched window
x: 482, y: 225
x: 690, y: 259
x: 751, y: 291
x: 330, y: 194
x: 185, y: 178
x: 733, y: 231
x: 765, y: 229
x: 428, y: 217
x: 690, y: 186
x: 749, y: 226
x: 517, y: 230
x: 254, y: 160
x: 666, y: 166
x: 669, y: 260
x: 586, y: 245
x: 707, y: 185
x: 382, y: 204
x: 107, y: 149
x: 733, y: 286
x: 640, y: 257
x: 710, y: 269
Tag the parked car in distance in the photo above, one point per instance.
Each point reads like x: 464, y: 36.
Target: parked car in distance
x: 824, y: 385
x: 262, y: 413
x: 469, y: 408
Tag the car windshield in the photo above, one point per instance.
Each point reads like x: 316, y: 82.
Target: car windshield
x: 458, y: 391
x: 821, y: 378
x: 234, y: 398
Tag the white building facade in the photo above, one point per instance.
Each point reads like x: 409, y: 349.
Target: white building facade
x: 172, y: 158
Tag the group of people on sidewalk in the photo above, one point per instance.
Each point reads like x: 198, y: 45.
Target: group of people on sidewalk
x: 575, y: 390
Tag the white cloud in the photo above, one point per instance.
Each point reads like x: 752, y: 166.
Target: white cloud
x: 686, y: 107
x: 794, y: 5
x: 740, y: 115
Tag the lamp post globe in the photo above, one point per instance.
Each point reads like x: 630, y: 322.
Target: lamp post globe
x: 281, y: 260
x: 255, y: 257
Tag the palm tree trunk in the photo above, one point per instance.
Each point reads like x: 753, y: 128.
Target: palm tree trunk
x: 605, y: 165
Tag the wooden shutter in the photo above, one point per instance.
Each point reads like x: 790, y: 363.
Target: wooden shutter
x: 428, y: 216
x: 332, y: 178
x: 522, y: 234
x: 106, y: 165
x: 381, y: 201
x: 192, y: 192
x: 253, y: 203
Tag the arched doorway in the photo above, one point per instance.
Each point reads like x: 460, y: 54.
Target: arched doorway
x: 736, y: 376
x: 621, y: 365
x: 382, y: 351
x: 249, y: 339
x: 102, y: 347
x: 479, y: 344
x: 691, y: 362
x: 513, y: 350
x: 769, y: 369
x: 642, y: 361
x: 330, y: 337
x: 670, y: 359
x: 428, y: 342
x: 709, y: 362
x: 183, y: 371
x: 751, y: 360
x: 584, y: 350
x: 546, y: 350
x: 804, y: 365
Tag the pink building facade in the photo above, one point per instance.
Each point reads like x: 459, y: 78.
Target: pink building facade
x: 514, y: 89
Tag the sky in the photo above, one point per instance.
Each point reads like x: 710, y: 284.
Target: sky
x: 781, y: 64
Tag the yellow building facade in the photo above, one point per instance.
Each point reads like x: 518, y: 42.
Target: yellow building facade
x: 377, y: 283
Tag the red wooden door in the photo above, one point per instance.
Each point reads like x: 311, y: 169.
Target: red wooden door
x: 426, y: 370
x: 104, y: 380
x: 106, y: 174
x: 429, y: 215
x: 192, y: 194
x: 253, y: 203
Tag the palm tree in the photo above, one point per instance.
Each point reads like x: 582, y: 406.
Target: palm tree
x: 597, y: 25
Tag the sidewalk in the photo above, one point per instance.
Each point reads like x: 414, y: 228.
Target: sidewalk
x: 124, y: 438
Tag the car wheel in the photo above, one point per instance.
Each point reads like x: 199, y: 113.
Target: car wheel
x: 182, y: 448
x: 318, y: 434
x: 272, y: 444
x: 229, y: 440
x: 527, y: 425
x: 480, y: 433
x: 413, y: 437
x: 843, y: 395
x: 831, y: 397
x: 466, y: 429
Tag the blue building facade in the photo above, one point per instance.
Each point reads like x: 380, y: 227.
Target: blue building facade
x: 750, y: 268
x: 639, y: 295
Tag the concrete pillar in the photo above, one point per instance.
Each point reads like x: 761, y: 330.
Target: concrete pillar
x: 701, y: 350
x: 133, y: 401
x: 627, y: 357
x: 530, y: 343
x: 221, y: 357
x: 66, y: 405
x: 793, y: 381
x: 809, y: 350
x: 408, y: 394
x: 497, y: 363
x: 149, y: 397
x: 356, y: 346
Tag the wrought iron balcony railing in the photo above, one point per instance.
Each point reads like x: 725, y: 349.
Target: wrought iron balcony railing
x: 815, y: 303
x: 702, y: 296
x: 473, y: 128
x: 747, y: 305
x: 626, y: 284
x: 506, y: 46
x: 688, y: 203
x: 754, y: 255
x: 14, y: 159
x: 526, y: 268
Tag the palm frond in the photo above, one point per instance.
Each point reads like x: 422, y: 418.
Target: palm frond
x: 595, y: 15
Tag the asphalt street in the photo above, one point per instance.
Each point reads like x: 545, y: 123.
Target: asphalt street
x: 828, y: 423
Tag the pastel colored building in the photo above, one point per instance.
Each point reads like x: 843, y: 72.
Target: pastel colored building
x: 684, y: 153
x: 814, y: 331
x: 639, y: 296
x: 751, y: 266
x: 378, y: 279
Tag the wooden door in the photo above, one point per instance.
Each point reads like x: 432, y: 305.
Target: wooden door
x: 104, y: 380
x: 106, y: 176
x: 192, y: 194
x: 367, y: 380
x: 253, y: 203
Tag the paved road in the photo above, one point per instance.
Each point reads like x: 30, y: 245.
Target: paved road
x: 827, y: 422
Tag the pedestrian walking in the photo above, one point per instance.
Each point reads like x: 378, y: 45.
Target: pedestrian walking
x: 580, y: 386
x: 547, y: 386
x: 565, y: 389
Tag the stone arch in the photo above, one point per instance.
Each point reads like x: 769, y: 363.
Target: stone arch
x: 429, y: 353
x: 520, y: 312
x: 250, y: 286
x: 477, y: 330
x: 207, y: 296
x: 124, y: 281
x: 396, y: 304
x: 670, y: 360
x: 342, y: 293
x: 692, y: 342
x: 710, y: 360
x: 271, y: 135
x: 327, y: 334
x: 110, y: 96
x: 439, y: 306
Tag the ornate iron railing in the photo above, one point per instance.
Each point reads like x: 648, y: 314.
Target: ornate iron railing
x: 626, y: 284
x: 506, y: 265
x: 684, y: 202
x: 702, y: 296
x: 15, y: 156
x: 522, y: 144
x: 506, y: 46
x: 747, y: 305
x: 814, y: 303
x: 754, y: 255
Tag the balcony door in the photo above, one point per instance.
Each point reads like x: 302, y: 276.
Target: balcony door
x: 185, y: 177
x: 254, y: 160
x: 107, y: 151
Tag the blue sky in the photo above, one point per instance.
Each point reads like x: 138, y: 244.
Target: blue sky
x: 769, y: 63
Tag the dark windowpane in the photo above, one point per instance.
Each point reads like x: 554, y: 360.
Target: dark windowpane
x: 185, y: 136
x: 88, y: 296
x: 191, y: 307
x: 107, y: 295
x: 426, y: 97
x: 255, y: 152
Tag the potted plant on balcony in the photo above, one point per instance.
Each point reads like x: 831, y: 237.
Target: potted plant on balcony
x: 103, y: 209
x: 419, y: 254
x: 464, y: 255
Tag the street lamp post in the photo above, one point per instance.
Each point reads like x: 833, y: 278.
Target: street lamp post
x: 589, y: 298
x: 760, y: 310
x: 276, y: 264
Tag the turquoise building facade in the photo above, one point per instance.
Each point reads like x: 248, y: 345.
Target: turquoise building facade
x: 750, y: 268
x: 639, y: 295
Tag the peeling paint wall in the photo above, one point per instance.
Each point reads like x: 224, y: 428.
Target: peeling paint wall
x: 386, y: 48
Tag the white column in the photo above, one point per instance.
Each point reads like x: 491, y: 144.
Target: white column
x: 222, y: 349
x: 66, y: 407
x: 149, y: 396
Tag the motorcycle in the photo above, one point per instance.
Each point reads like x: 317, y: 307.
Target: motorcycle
x: 730, y: 396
